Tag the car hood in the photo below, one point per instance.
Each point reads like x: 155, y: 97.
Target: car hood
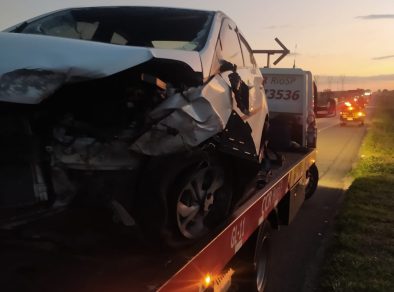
x: 33, y: 67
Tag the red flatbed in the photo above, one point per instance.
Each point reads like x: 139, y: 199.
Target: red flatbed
x: 75, y: 250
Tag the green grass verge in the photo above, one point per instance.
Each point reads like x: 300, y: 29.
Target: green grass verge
x: 361, y: 256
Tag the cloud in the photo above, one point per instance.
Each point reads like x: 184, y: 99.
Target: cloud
x: 377, y: 16
x: 276, y: 26
x: 383, y: 57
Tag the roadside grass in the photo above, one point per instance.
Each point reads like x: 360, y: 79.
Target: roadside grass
x: 361, y: 254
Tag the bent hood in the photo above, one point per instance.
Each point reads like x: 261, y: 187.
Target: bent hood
x: 32, y: 67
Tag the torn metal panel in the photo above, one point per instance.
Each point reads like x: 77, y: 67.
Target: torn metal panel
x: 187, y: 119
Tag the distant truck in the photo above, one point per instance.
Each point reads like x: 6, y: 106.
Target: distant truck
x: 291, y: 96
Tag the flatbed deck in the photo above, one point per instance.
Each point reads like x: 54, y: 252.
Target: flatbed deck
x: 80, y: 250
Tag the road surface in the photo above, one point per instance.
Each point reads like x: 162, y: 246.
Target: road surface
x: 297, y: 250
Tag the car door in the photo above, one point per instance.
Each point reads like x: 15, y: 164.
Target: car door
x: 245, y: 125
x: 258, y: 109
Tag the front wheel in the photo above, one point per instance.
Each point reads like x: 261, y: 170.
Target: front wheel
x: 186, y: 199
x: 200, y: 200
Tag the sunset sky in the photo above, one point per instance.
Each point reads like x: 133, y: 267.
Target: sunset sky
x: 349, y: 42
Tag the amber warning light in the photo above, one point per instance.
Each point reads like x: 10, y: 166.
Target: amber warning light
x: 207, y: 280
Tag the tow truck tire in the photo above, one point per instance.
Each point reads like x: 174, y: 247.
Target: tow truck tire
x: 313, y: 179
x: 253, y: 275
x: 184, y: 200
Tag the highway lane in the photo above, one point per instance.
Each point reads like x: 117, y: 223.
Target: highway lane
x: 297, y: 250
x: 326, y: 123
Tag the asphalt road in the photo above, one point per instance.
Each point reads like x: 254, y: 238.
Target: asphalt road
x: 297, y: 249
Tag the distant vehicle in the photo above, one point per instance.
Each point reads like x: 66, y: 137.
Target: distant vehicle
x: 352, y: 112
x: 326, y: 105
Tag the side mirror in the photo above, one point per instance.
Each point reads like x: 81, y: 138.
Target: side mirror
x: 227, y: 66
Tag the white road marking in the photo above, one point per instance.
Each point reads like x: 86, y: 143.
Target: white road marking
x: 325, y: 128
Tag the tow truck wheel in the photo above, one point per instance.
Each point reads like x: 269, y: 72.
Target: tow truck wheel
x: 312, y: 177
x: 253, y: 268
x: 261, y: 258
x: 187, y: 201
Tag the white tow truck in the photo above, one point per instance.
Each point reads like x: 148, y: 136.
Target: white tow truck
x: 87, y: 258
x: 70, y: 249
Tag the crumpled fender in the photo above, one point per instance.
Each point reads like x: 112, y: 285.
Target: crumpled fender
x: 187, y: 119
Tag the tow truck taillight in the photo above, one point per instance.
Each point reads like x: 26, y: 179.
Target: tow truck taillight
x: 207, y: 280
x: 220, y: 283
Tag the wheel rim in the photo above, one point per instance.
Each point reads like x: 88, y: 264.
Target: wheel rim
x: 196, y: 199
x: 261, y: 265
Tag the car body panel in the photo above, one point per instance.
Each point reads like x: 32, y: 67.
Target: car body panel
x: 35, y: 66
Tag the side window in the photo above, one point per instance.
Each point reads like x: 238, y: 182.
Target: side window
x: 247, y: 53
x: 231, y: 50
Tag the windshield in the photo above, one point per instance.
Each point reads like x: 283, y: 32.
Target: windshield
x: 165, y: 28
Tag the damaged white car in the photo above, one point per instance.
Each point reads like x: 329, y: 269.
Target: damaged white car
x: 157, y: 112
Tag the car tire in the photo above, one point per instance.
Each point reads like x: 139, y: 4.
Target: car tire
x: 312, y: 181
x: 183, y: 199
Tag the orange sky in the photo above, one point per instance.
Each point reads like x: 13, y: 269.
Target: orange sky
x: 330, y: 38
